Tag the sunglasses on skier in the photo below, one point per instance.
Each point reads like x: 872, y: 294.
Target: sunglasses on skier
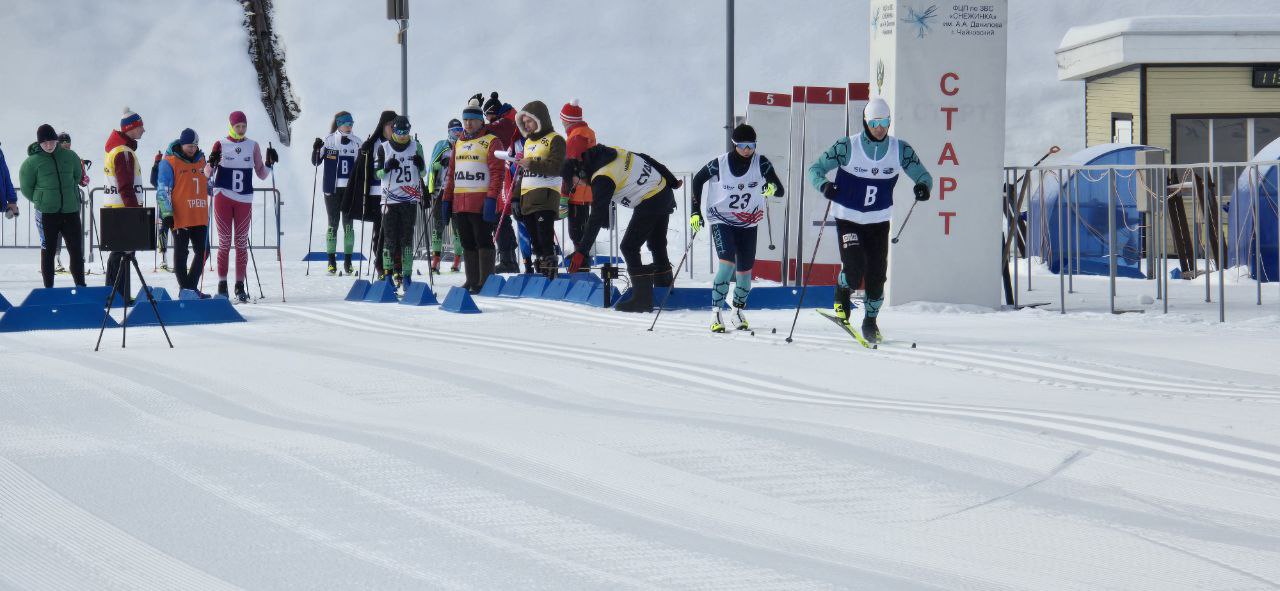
x: 744, y: 145
x: 881, y: 122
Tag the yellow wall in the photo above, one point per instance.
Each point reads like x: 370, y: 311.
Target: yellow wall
x: 1196, y: 90
x: 1114, y: 93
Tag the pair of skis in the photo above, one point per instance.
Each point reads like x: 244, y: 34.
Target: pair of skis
x: 857, y: 335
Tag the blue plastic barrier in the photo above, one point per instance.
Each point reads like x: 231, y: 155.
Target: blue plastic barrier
x: 419, y: 294
x: 493, y: 285
x: 159, y: 293
x: 56, y: 317
x: 381, y: 292
x: 323, y: 257
x: 784, y: 298
x: 357, y: 291
x: 514, y: 287
x: 185, y: 312
x: 597, y: 296
x: 458, y: 300
x: 557, y: 289
x: 61, y: 296
x: 595, y: 262
x: 580, y: 292
x: 583, y: 276
x: 4, y: 303
x: 187, y: 294
x: 534, y: 286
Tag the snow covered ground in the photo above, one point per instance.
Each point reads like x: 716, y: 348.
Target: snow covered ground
x: 541, y: 445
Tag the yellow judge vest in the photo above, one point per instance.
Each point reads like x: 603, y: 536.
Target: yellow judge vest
x: 471, y: 164
x: 536, y: 150
x: 634, y: 179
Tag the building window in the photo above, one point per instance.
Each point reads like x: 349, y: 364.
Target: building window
x: 1222, y: 139
x: 1122, y: 128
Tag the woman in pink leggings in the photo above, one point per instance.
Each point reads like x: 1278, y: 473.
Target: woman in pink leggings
x: 233, y: 161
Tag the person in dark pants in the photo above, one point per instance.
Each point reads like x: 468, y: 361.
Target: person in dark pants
x: 182, y: 194
x: 867, y: 167
x: 124, y: 182
x: 539, y: 160
x: 362, y: 199
x: 49, y: 178
x: 639, y: 182
x: 400, y: 166
x: 337, y: 151
x: 471, y: 193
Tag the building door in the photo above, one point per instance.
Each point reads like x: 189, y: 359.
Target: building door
x: 1122, y: 128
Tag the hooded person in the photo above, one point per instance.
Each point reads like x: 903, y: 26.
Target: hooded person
x: 363, y: 197
x: 233, y: 162
x: 576, y: 200
x: 867, y: 167
x: 50, y: 179
x: 740, y: 181
x: 539, y: 164
x: 501, y: 122
x: 337, y: 151
x: 183, y: 197
x: 436, y: 179
x: 471, y: 194
x: 642, y: 184
x: 400, y: 167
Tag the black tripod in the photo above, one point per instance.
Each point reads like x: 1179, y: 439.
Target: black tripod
x: 128, y: 260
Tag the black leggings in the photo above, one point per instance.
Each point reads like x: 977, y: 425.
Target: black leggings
x: 475, y: 233
x: 579, y: 215
x: 542, y: 232
x: 648, y: 227
x: 398, y: 221
x: 197, y: 238
x: 864, y: 251
x: 65, y: 226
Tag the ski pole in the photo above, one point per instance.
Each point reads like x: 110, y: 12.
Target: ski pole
x: 769, y: 218
x: 904, y: 222
x: 805, y: 285
x: 674, y: 273
x: 279, y: 255
x: 254, y: 260
x: 364, y: 177
x: 311, y: 223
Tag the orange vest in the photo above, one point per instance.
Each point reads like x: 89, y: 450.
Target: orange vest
x: 190, y: 196
x: 582, y: 194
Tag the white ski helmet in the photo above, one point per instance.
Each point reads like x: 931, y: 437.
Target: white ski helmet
x: 876, y: 108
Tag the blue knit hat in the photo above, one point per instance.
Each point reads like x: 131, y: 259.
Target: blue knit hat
x: 188, y: 136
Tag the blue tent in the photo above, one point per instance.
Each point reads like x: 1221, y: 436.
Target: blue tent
x: 1088, y: 229
x: 1256, y: 192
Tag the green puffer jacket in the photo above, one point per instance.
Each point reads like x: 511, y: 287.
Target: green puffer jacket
x: 51, y: 180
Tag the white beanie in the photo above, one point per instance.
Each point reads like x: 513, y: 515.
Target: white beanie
x: 876, y: 108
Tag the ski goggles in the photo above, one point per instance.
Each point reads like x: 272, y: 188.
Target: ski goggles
x: 455, y: 131
x: 744, y: 145
x: 345, y: 120
x: 881, y: 122
x: 400, y: 137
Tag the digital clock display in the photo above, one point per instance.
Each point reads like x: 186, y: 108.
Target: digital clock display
x: 1266, y: 76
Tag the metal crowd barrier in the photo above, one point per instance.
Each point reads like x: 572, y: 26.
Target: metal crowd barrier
x: 1160, y: 193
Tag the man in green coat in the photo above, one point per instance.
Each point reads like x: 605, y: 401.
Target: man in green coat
x: 49, y: 178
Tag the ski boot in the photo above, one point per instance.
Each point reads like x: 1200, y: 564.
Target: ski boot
x: 59, y: 268
x: 346, y: 265
x: 222, y: 289
x: 242, y: 296
x: 870, y: 331
x: 398, y: 280
x: 457, y: 264
x: 717, y: 322
x: 740, y: 319
x: 507, y: 264
x: 843, y: 303
x: 333, y: 264
x: 165, y: 268
x: 435, y: 263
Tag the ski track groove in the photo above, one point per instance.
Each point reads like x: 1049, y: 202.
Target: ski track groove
x: 533, y: 472
x: 29, y: 507
x: 1020, y: 367
x: 1200, y: 448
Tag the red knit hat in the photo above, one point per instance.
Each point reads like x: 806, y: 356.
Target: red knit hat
x: 571, y: 112
x: 238, y: 117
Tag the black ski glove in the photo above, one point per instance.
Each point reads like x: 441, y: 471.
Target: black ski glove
x: 391, y: 164
x: 419, y: 162
x: 922, y: 192
x: 316, y: 145
x: 272, y: 157
x: 215, y: 157
x: 829, y: 190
